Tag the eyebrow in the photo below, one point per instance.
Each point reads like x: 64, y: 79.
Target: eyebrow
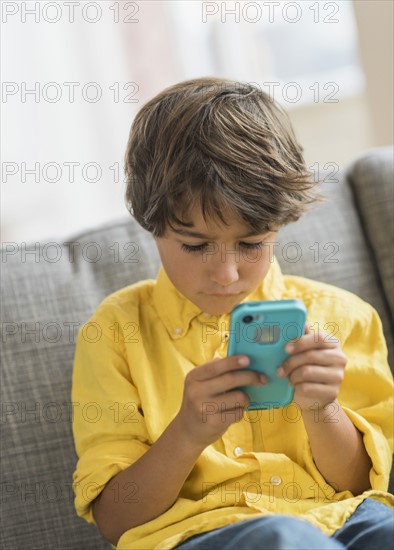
x: 198, y: 235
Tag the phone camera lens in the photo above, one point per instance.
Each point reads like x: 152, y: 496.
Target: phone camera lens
x: 247, y: 319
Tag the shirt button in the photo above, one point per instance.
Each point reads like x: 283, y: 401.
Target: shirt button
x: 276, y: 480
x: 177, y: 330
x: 238, y: 451
x: 207, y: 315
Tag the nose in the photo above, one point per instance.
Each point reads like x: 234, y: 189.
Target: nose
x: 224, y: 271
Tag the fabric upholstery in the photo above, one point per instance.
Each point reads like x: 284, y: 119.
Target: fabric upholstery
x: 54, y: 291
x: 331, y: 247
x: 371, y: 178
x: 37, y: 451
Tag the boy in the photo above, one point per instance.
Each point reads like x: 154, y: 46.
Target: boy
x: 174, y: 459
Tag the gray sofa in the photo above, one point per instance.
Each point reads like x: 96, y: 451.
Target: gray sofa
x: 47, y: 295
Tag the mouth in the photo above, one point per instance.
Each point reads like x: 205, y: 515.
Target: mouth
x: 217, y: 295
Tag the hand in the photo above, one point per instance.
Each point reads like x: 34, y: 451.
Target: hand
x: 210, y: 404
x: 315, y: 369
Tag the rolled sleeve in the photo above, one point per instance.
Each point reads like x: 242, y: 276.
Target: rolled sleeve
x: 108, y: 424
x: 366, y: 394
x: 377, y: 448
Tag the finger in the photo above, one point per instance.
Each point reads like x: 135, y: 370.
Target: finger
x: 232, y: 400
x: 316, y: 374
x: 326, y: 358
x: 312, y: 340
x: 307, y: 330
x: 235, y: 379
x: 219, y: 366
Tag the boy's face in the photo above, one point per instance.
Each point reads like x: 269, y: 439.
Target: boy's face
x: 216, y: 266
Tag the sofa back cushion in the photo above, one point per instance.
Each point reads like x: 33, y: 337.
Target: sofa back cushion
x: 371, y: 179
x: 50, y: 292
x: 47, y: 296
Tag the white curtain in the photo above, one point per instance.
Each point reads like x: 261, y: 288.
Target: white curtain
x: 129, y: 53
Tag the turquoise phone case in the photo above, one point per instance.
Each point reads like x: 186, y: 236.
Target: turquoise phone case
x: 262, y: 339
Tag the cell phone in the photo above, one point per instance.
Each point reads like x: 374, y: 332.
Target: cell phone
x: 261, y: 330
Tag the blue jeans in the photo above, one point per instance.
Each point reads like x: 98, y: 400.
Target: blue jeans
x: 370, y: 527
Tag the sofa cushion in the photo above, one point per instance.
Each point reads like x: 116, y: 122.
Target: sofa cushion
x: 371, y: 178
x: 45, y: 301
x: 328, y: 244
x: 50, y: 293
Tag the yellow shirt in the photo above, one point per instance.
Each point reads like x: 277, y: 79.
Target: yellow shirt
x: 130, y: 363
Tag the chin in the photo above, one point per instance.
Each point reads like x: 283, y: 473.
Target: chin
x: 220, y: 309
x: 215, y: 306
x: 217, y: 311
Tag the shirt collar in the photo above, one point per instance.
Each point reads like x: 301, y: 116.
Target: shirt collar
x: 177, y: 312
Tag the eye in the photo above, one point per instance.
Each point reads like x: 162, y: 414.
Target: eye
x: 252, y: 245
x: 193, y: 248
x: 204, y: 246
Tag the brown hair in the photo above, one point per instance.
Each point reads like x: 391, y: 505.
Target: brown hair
x: 223, y: 143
